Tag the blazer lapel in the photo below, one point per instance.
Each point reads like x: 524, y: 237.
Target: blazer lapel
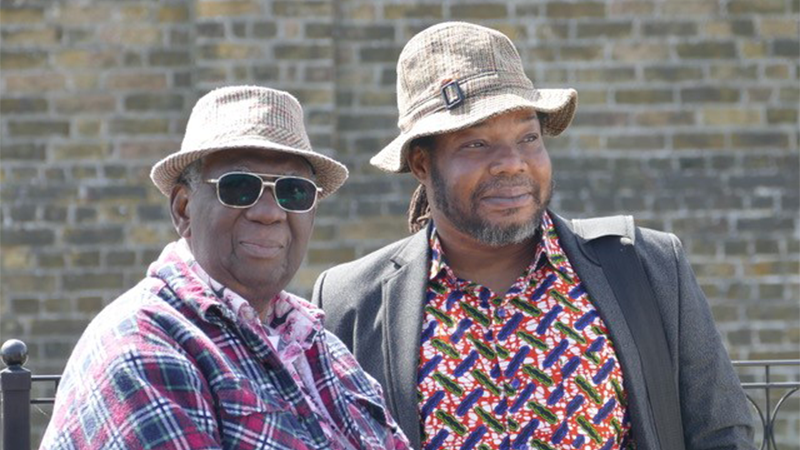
x: 591, y: 274
x: 403, y: 299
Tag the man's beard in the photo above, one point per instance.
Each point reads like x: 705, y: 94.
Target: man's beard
x: 467, y: 219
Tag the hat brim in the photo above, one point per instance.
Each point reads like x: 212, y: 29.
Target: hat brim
x: 558, y: 104
x: 330, y: 174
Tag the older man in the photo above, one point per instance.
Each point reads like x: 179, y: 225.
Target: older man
x: 208, y: 351
x: 499, y: 325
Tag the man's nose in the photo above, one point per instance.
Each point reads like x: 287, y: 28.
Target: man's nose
x: 508, y: 159
x: 266, y: 209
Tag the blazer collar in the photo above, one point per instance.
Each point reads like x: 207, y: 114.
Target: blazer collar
x: 403, y: 292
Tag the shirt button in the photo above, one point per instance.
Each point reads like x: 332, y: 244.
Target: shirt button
x: 501, y: 312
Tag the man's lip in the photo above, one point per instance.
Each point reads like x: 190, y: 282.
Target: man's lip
x: 262, y: 249
x: 506, y: 200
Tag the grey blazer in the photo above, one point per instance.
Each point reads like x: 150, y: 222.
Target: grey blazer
x: 375, y: 306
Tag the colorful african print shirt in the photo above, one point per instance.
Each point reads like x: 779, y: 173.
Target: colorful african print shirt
x: 531, y: 369
x: 181, y: 362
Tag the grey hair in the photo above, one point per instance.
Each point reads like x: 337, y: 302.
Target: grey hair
x: 192, y: 174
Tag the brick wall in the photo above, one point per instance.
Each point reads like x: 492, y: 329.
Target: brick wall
x: 688, y: 117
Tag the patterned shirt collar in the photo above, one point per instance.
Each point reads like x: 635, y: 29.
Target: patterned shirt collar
x: 547, y: 249
x: 293, y: 324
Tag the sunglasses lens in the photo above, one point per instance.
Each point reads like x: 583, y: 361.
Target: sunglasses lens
x: 239, y: 189
x: 295, y: 194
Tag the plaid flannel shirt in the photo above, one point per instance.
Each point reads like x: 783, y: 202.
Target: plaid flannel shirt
x: 172, y: 364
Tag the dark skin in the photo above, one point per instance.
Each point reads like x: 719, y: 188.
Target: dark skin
x: 254, y: 251
x: 507, y: 146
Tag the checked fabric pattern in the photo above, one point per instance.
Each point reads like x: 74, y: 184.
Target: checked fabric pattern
x: 533, y: 369
x: 179, y: 362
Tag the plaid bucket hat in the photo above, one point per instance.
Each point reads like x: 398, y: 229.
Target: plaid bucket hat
x: 247, y: 117
x: 454, y: 75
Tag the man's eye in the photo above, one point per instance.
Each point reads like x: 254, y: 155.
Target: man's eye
x: 473, y: 145
x: 530, y: 138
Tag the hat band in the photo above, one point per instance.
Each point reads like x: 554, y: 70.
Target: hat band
x: 482, y: 83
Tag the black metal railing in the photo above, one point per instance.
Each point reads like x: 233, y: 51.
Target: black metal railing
x: 16, y: 386
x: 771, y: 390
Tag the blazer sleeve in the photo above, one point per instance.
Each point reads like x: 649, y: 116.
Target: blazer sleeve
x: 713, y: 405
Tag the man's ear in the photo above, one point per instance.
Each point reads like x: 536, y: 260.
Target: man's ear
x: 179, y: 209
x: 419, y: 161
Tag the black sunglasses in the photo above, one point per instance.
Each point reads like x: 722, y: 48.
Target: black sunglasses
x: 244, y: 189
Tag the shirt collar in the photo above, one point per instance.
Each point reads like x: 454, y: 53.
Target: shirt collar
x: 547, y: 249
x: 293, y: 322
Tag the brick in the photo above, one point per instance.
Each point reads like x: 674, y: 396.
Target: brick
x: 605, y: 29
x: 88, y: 127
x: 759, y: 139
x: 169, y: 58
x: 289, y: 8
x: 564, y: 10
x: 302, y: 51
x: 83, y: 59
x: 772, y: 27
x: 782, y: 115
x: 365, y: 33
x: 642, y: 96
x: 550, y: 31
x: 31, y: 37
x: 778, y: 71
x: 706, y: 50
x: 39, y: 128
x: 730, y: 116
x: 670, y: 28
x: 759, y: 7
x: 23, y: 282
x: 729, y: 28
x: 413, y: 11
x: 229, y: 50
x: 631, y: 8
x: 790, y: 95
x: 173, y: 14
x: 789, y: 48
x: 137, y: 80
x: 379, y: 54
x: 84, y: 14
x: 691, y: 8
x: 25, y: 306
x: 682, y: 141
x: 664, y: 118
x: 581, y: 52
x: 154, y: 102
x: 229, y: 8
x: 330, y: 256
x: 102, y: 193
x: 641, y: 51
x: 139, y: 126
x: 86, y: 104
x: 27, y: 237
x: 21, y: 60
x: 79, y: 151
x: 754, y: 49
x: 709, y: 94
x: 36, y: 83
x: 482, y: 11
x: 22, y: 105
x: 265, y: 29
x: 635, y: 142
x: 21, y: 15
x: 734, y: 72
x: 672, y: 73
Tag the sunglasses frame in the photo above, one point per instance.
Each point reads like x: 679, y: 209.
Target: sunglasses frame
x: 270, y: 184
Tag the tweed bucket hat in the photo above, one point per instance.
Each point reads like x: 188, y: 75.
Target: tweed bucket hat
x: 247, y: 117
x: 455, y: 75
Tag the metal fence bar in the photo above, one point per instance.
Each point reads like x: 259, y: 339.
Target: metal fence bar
x: 769, y: 414
x: 15, y: 387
